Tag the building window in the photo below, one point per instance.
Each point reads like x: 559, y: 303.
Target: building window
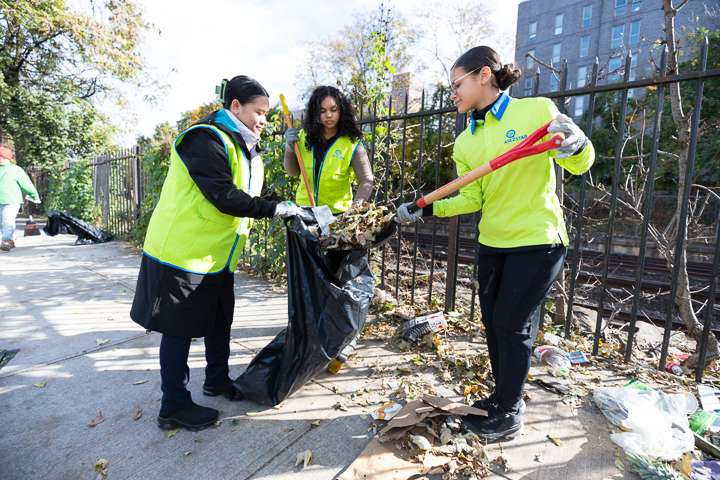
x: 634, y: 33
x: 617, y: 36
x: 533, y: 32
x: 558, y: 23
x: 556, y: 53
x: 553, y: 83
x: 614, y: 64
x: 528, y: 86
x: 530, y: 63
x: 579, y: 106
x: 620, y: 7
x: 584, y: 46
x: 587, y: 16
x: 582, y: 77
x: 637, y: 5
x: 633, y: 66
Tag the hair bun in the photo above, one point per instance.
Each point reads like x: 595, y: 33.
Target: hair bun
x: 507, y: 75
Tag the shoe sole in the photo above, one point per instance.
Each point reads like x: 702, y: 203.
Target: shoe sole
x: 516, y: 431
x: 168, y: 424
x: 209, y: 393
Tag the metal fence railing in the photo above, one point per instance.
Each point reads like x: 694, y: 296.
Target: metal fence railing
x: 420, y: 251
x: 119, y: 186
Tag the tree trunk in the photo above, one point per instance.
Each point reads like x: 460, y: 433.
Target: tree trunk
x: 682, y: 124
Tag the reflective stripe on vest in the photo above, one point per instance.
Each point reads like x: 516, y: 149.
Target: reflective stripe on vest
x: 186, y: 231
x: 334, y: 187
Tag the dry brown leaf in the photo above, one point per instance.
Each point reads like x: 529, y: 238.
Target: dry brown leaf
x: 100, y: 465
x: 304, y: 458
x: 288, y: 430
x: 187, y: 453
x: 504, y: 461
x: 95, y: 421
x: 102, y: 475
x: 137, y: 415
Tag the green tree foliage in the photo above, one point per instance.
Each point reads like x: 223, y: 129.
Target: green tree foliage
x: 53, y: 62
x: 71, y: 192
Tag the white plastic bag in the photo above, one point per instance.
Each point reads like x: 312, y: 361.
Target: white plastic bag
x: 656, y: 422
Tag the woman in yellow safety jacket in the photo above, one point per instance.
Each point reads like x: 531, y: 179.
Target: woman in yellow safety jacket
x: 330, y: 144
x: 523, y: 239
x: 185, y: 289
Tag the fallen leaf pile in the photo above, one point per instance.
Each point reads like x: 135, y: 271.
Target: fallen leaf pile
x: 355, y: 228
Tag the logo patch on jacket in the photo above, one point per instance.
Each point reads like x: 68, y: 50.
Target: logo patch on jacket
x: 512, y: 138
x: 338, y: 154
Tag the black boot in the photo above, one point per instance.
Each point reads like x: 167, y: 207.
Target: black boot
x: 193, y: 417
x: 225, y: 388
x: 498, y: 424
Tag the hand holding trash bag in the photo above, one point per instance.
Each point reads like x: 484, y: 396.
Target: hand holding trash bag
x: 287, y: 209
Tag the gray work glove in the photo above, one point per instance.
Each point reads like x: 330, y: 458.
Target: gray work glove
x: 575, y: 139
x: 404, y: 216
x: 287, y: 209
x: 291, y: 135
x: 29, y: 198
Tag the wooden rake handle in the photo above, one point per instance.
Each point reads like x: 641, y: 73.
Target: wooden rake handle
x: 289, y: 124
x: 525, y: 148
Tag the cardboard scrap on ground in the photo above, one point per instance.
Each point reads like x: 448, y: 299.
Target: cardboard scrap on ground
x: 427, y: 406
x: 383, y: 461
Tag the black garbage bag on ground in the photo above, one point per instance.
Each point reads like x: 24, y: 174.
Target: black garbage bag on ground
x: 328, y: 300
x: 59, y: 223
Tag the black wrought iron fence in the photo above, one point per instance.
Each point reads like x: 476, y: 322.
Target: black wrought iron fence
x: 437, y: 249
x: 119, y: 186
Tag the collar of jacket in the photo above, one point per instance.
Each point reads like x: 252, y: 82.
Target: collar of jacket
x: 225, y: 124
x: 498, y: 109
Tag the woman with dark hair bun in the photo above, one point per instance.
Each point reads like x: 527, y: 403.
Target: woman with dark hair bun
x: 331, y: 147
x: 185, y: 289
x: 522, y: 238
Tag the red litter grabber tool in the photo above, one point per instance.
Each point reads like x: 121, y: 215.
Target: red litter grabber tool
x: 525, y: 148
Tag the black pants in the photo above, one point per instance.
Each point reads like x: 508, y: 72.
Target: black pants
x: 174, y: 370
x: 513, y: 285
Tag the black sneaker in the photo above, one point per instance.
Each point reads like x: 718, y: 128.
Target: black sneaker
x: 193, y: 417
x: 490, y: 401
x: 225, y: 388
x: 495, y: 426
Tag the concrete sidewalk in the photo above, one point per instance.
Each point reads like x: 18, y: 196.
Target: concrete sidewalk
x: 59, y: 302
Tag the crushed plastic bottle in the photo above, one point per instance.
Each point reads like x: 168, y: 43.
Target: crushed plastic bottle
x: 555, y: 358
x: 415, y: 329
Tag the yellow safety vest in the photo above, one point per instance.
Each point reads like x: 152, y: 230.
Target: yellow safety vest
x: 334, y: 186
x: 186, y: 231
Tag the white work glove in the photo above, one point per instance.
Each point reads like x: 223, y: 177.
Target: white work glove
x: 575, y: 139
x: 404, y: 216
x: 287, y: 209
x: 29, y: 198
x: 291, y: 135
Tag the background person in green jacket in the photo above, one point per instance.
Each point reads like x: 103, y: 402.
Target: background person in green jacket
x: 330, y: 143
x: 13, y: 182
x: 523, y: 240
x: 185, y: 289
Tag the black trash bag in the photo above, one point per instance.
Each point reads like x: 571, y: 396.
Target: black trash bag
x: 60, y: 223
x: 328, y: 300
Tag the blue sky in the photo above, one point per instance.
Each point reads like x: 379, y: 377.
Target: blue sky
x: 204, y: 41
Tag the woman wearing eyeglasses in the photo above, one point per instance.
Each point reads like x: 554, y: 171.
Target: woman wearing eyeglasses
x: 331, y: 148
x: 522, y: 237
